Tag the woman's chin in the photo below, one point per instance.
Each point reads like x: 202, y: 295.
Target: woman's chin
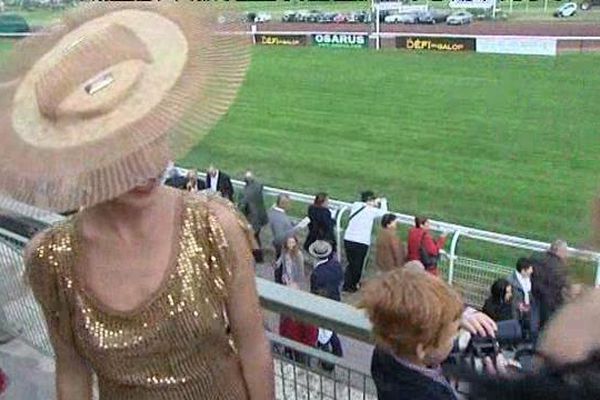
x: 144, y: 190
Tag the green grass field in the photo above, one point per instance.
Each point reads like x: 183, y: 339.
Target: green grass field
x: 508, y: 144
x: 502, y: 143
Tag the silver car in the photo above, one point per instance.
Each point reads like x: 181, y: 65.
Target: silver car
x: 460, y: 18
x: 403, y: 18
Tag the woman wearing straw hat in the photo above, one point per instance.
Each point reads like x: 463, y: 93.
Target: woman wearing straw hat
x: 150, y: 288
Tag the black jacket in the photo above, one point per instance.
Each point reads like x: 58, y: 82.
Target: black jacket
x: 326, y: 280
x: 320, y: 226
x: 223, y: 185
x: 498, y: 311
x: 548, y: 284
x: 394, y: 381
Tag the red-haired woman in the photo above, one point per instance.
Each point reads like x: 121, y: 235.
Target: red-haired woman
x: 422, y: 247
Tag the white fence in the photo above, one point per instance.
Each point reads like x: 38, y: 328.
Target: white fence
x: 458, y: 232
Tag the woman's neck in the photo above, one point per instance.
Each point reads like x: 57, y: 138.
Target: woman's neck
x: 123, y: 216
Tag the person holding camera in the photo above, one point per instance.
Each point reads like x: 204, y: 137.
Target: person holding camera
x: 357, y: 238
x: 567, y: 365
x: 422, y: 247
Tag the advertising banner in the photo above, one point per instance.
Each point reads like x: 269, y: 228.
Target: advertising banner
x: 340, y: 40
x: 281, y: 40
x: 435, y: 43
x: 521, y: 45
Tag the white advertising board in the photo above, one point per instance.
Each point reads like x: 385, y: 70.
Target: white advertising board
x: 520, y: 45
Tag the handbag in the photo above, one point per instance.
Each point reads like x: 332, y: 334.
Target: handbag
x: 427, y: 259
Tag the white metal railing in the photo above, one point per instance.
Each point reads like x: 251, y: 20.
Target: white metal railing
x: 458, y: 231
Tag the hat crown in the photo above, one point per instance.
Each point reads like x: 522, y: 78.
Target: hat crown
x: 87, y: 68
x: 321, y: 248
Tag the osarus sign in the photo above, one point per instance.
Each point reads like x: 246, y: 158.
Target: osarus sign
x: 340, y: 40
x: 435, y: 43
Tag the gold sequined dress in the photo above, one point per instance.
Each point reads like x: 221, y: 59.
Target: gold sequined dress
x: 178, y: 345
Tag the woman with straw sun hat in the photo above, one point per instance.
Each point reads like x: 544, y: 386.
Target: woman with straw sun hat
x: 149, y: 288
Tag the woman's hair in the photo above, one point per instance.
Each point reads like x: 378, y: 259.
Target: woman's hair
x: 498, y: 290
x: 296, y: 248
x: 414, y: 265
x: 387, y: 219
x: 420, y: 221
x: 320, y: 199
x: 408, y: 307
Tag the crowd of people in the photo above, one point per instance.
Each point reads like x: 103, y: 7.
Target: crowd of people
x: 427, y: 312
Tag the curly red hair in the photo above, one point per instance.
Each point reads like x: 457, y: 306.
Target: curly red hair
x: 408, y: 307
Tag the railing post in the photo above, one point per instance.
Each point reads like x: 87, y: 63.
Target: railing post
x: 338, y: 231
x: 453, y: 245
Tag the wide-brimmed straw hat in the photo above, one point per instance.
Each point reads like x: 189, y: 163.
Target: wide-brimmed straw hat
x: 320, y: 249
x: 108, y: 96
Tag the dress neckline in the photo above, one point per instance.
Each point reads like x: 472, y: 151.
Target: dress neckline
x: 144, y: 305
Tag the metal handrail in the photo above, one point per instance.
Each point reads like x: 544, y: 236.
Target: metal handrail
x: 473, y: 233
x: 334, y: 315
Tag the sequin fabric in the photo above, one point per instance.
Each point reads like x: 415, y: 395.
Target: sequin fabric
x: 176, y: 347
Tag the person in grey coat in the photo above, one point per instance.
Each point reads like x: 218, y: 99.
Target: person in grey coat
x: 252, y: 205
x: 282, y: 226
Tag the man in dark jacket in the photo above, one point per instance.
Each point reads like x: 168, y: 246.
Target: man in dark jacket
x: 549, y: 281
x: 219, y: 181
x: 252, y: 205
x: 327, y: 276
x: 326, y: 280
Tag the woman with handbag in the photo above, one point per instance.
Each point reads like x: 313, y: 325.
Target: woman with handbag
x: 422, y: 247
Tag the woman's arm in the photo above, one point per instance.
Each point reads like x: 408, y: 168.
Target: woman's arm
x: 244, y: 312
x: 73, y: 375
x: 433, y: 247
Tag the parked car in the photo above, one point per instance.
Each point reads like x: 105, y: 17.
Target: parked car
x: 359, y: 17
x: 459, y: 18
x: 311, y: 16
x: 588, y: 4
x: 340, y: 18
x: 402, y: 18
x: 326, y: 18
x: 262, y: 17
x: 566, y: 10
x: 289, y: 16
x: 433, y: 16
x: 13, y: 23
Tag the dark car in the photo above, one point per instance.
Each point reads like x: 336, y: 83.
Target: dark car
x: 433, y: 16
x: 313, y: 16
x: 290, y: 16
x: 13, y: 23
x: 326, y: 18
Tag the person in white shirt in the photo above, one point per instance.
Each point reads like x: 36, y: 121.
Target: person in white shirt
x: 524, y: 306
x: 357, y: 238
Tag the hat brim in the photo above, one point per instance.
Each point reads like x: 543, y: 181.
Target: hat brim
x: 75, y: 175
